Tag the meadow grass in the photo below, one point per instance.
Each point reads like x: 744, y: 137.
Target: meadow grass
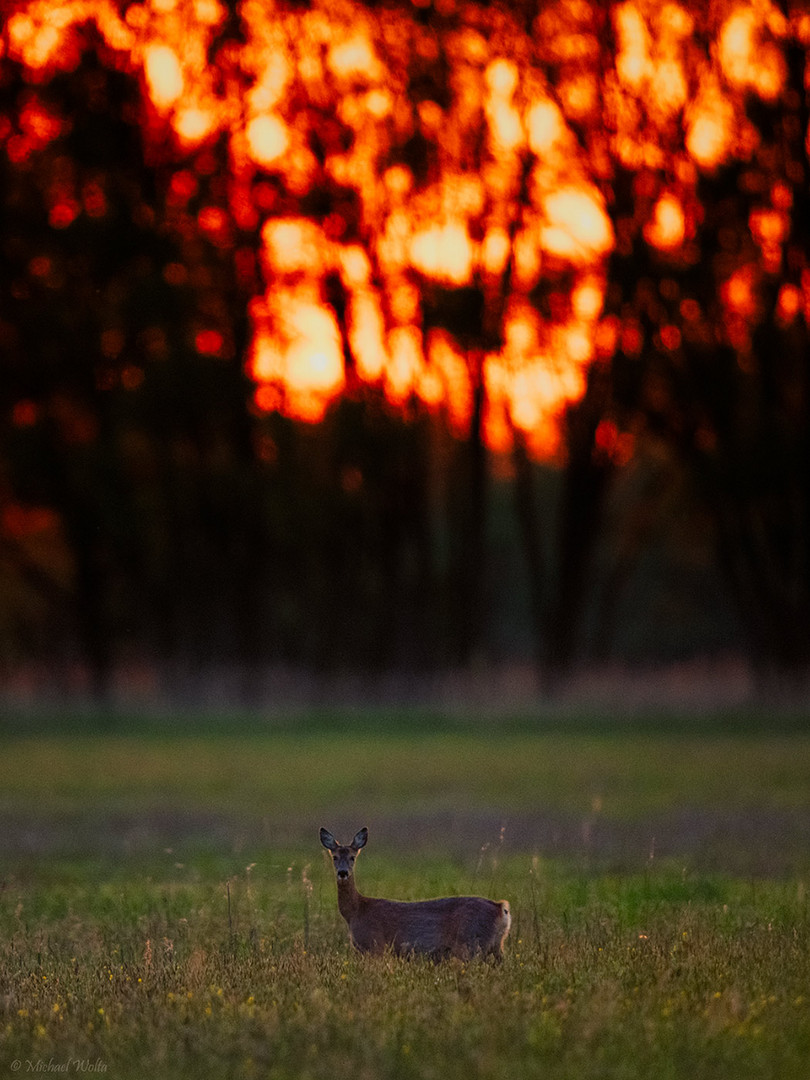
x: 216, y: 949
x: 286, y: 775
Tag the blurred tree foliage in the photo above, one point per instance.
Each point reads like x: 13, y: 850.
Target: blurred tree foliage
x: 722, y: 387
x: 150, y: 513
x: 153, y: 514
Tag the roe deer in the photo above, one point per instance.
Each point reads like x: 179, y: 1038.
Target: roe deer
x: 461, y: 926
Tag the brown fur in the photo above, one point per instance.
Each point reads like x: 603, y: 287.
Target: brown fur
x: 461, y: 926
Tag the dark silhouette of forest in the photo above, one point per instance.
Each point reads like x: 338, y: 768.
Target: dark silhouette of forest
x: 152, y: 514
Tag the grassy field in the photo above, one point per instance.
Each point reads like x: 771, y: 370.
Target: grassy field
x: 166, y: 909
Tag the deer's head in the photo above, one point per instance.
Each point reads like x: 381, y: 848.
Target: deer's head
x: 344, y: 855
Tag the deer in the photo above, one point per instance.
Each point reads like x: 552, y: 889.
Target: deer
x: 451, y: 926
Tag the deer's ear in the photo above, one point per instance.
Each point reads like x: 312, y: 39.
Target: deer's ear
x: 328, y: 840
x: 360, y: 840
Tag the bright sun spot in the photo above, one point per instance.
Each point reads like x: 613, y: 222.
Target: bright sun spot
x: 164, y: 75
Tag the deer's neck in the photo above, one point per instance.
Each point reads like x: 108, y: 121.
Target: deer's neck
x: 348, y: 898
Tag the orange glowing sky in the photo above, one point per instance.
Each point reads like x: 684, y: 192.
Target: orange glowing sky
x: 516, y: 193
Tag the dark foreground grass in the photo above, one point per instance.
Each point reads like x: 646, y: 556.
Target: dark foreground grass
x: 166, y: 909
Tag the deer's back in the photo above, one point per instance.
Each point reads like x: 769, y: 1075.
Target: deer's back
x: 452, y: 925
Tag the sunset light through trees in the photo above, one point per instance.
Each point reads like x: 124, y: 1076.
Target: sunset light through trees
x: 407, y: 149
x: 570, y: 235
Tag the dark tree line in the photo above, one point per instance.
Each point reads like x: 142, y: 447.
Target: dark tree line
x: 152, y: 514
x: 187, y: 529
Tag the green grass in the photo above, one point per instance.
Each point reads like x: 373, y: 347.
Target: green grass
x: 625, y: 775
x: 166, y: 910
